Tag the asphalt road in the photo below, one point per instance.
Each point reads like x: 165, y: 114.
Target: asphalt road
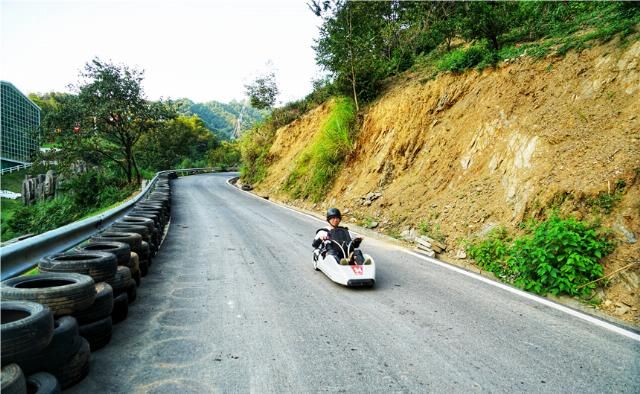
x: 232, y: 304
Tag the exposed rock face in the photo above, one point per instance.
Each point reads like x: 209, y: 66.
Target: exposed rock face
x: 466, y: 152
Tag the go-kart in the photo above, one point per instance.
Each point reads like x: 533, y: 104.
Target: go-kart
x: 354, y: 270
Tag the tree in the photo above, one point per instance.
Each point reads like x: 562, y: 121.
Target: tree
x: 225, y: 155
x: 164, y: 147
x: 108, y: 116
x: 352, y: 45
x: 489, y: 20
x: 262, y: 92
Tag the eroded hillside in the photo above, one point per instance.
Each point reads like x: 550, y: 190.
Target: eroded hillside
x: 465, y: 153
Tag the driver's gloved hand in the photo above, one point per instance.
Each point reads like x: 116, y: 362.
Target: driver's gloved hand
x: 356, y: 242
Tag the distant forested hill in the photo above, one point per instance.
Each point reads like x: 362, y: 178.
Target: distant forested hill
x: 221, y: 118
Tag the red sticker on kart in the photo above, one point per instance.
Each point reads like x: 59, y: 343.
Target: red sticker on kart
x: 357, y: 269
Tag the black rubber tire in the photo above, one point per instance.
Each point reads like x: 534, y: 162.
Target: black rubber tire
x: 138, y: 229
x: 134, y: 240
x: 120, y: 249
x: 137, y: 277
x: 64, y: 344
x: 43, y: 383
x: 97, y: 333
x: 157, y: 206
x: 150, y: 224
x: 63, y: 293
x: 77, y: 368
x: 101, y: 266
x: 120, y: 308
x: 146, y: 215
x: 145, y: 250
x: 132, y: 291
x: 132, y: 228
x: 157, y: 212
x: 101, y: 307
x: 121, y: 280
x: 144, y: 268
x: 162, y: 198
x: 135, y: 268
x: 13, y: 381
x: 26, y: 329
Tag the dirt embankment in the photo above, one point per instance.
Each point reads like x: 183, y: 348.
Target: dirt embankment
x: 464, y: 153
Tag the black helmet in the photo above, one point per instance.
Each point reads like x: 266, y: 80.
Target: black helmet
x: 333, y: 213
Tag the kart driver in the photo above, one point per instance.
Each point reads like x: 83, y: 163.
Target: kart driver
x: 336, y: 233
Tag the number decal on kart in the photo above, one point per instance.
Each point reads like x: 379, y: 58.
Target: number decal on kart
x: 357, y: 269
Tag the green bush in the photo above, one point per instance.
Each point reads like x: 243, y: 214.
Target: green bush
x: 462, y: 59
x: 45, y: 216
x: 82, y: 195
x: 320, y: 163
x: 557, y: 256
x: 491, y: 253
x: 96, y: 189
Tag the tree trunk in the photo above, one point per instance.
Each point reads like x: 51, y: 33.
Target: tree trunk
x: 127, y: 158
x: 135, y: 167
x: 494, y: 41
x: 353, y: 72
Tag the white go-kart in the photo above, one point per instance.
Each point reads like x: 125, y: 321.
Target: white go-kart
x: 355, y: 270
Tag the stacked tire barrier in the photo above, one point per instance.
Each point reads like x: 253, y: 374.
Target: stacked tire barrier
x: 53, y: 320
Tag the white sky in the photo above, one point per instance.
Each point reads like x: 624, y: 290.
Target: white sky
x: 198, y: 49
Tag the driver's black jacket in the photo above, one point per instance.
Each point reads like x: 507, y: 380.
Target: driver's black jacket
x: 340, y: 235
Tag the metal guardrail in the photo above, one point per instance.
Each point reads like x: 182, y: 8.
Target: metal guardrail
x: 22, y: 256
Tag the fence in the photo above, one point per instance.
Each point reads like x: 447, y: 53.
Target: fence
x: 16, y: 168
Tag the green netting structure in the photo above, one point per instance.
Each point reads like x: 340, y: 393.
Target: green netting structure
x: 19, y: 126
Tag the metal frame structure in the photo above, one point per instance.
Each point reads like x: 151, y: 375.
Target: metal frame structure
x: 19, y: 125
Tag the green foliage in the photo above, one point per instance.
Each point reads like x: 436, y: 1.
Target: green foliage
x: 605, y: 202
x: 262, y: 92
x: 7, y: 209
x: 222, y: 118
x: 433, y: 231
x: 225, y: 155
x: 168, y: 144
x: 105, y: 120
x: 45, y: 216
x: 96, y: 189
x: 13, y: 181
x: 557, y: 256
x: 83, y: 195
x: 362, y: 43
x: 489, y: 20
x: 254, y: 150
x: 319, y: 164
x: 491, y: 253
x: 462, y: 59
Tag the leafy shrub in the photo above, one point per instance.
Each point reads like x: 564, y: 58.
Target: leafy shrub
x: 81, y: 195
x: 96, y: 189
x: 557, y: 256
x: 318, y: 165
x: 462, y: 59
x: 491, y: 253
x: 45, y: 216
x: 432, y: 231
x: 254, y: 150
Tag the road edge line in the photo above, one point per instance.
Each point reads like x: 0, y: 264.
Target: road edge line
x: 544, y: 301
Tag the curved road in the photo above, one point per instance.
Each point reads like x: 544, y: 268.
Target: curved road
x: 232, y: 304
